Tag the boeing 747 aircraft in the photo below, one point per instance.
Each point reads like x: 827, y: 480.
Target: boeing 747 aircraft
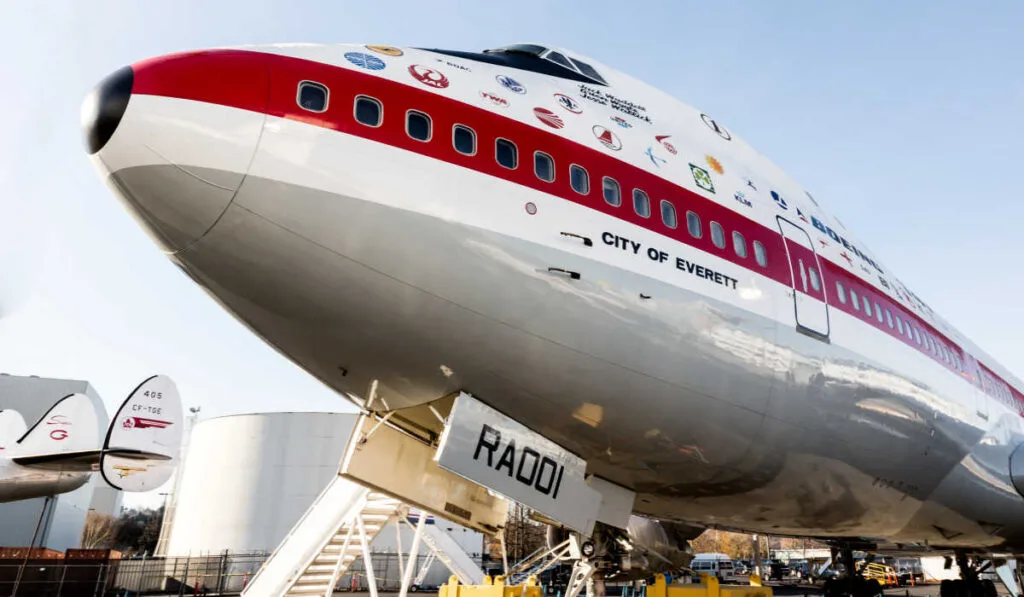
x: 615, y: 271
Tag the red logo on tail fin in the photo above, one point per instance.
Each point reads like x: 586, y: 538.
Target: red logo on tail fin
x: 143, y: 423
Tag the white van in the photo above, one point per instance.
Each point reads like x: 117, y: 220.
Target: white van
x: 715, y: 564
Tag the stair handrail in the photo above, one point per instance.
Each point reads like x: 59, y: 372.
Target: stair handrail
x: 308, y: 559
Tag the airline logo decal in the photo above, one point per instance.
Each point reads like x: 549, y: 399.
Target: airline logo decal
x: 59, y: 434
x: 428, y: 76
x: 779, y: 200
x: 144, y: 423
x: 621, y: 122
x: 750, y: 183
x: 607, y: 138
x: 741, y: 198
x: 702, y: 178
x: 386, y: 50
x: 549, y: 118
x: 367, y: 61
x: 719, y: 129
x: 125, y: 471
x: 714, y: 164
x: 655, y: 159
x: 568, y: 103
x: 496, y: 100
x: 61, y: 420
x: 511, y: 84
x: 668, y: 146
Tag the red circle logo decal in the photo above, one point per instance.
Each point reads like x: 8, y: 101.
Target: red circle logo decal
x: 428, y: 76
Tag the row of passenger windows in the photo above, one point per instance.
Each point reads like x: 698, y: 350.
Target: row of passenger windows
x: 418, y: 125
x: 911, y: 331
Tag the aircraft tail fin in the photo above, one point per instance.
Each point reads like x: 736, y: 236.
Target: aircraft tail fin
x: 12, y: 427
x: 69, y: 430
x: 144, y: 438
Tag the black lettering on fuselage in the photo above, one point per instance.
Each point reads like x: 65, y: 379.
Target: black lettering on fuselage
x: 526, y: 465
x: 483, y: 442
x: 508, y: 457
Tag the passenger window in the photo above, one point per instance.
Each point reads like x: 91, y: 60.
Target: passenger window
x: 917, y: 336
x: 899, y: 324
x: 668, y: 214
x: 417, y: 125
x: 368, y: 111
x: 717, y: 235
x: 612, y: 194
x: 464, y: 139
x: 312, y: 96
x: 760, y: 254
x: 815, y: 280
x: 506, y: 153
x: 579, y: 179
x: 854, y: 300
x: 888, y: 317
x: 641, y: 203
x: 878, y: 314
x: 739, y: 244
x: 543, y: 166
x: 841, y: 292
x: 693, y: 225
x: 906, y: 328
x: 867, y: 307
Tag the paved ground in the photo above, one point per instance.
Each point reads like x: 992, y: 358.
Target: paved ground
x: 783, y: 590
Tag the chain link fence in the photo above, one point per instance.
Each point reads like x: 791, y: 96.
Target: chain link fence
x: 220, y: 574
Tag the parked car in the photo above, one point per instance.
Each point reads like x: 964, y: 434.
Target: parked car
x: 715, y: 564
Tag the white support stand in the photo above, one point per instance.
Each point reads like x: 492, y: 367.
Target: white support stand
x: 414, y: 549
x: 1007, y: 575
x: 371, y: 580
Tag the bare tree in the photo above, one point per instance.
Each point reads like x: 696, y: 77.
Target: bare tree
x: 99, y: 531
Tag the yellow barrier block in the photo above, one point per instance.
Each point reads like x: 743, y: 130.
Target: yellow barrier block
x: 490, y: 588
x: 708, y: 587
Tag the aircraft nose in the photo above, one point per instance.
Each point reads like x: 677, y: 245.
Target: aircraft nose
x: 173, y: 136
x: 103, y: 108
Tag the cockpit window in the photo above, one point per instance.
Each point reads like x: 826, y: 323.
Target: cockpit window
x: 559, y: 58
x: 533, y: 50
x: 537, y: 59
x: 589, y: 71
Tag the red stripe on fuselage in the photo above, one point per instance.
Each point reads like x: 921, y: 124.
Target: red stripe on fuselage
x: 238, y: 79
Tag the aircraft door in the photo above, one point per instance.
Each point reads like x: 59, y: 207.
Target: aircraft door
x: 810, y: 302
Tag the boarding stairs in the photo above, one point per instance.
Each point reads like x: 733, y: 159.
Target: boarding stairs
x: 337, y: 529
x: 451, y: 554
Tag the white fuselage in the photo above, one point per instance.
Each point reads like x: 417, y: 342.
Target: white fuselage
x: 21, y: 483
x: 722, y: 389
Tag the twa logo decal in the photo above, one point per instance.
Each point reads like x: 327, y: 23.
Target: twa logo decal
x: 58, y: 434
x: 497, y: 100
x: 144, y: 423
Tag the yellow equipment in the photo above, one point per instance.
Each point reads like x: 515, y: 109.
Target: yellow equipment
x: 490, y: 588
x: 708, y: 587
x: 883, y: 573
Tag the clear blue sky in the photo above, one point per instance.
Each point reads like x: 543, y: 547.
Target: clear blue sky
x: 904, y: 118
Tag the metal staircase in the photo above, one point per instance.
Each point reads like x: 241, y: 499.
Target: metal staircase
x: 337, y: 529
x: 451, y: 554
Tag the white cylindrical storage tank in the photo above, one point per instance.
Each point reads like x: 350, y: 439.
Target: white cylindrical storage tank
x: 248, y: 478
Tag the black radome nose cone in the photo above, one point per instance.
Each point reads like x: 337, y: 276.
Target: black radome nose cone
x: 104, y: 107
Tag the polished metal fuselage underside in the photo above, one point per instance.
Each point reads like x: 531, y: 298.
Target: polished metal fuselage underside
x: 712, y: 414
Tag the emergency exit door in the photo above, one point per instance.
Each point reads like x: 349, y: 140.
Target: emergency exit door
x: 810, y: 302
